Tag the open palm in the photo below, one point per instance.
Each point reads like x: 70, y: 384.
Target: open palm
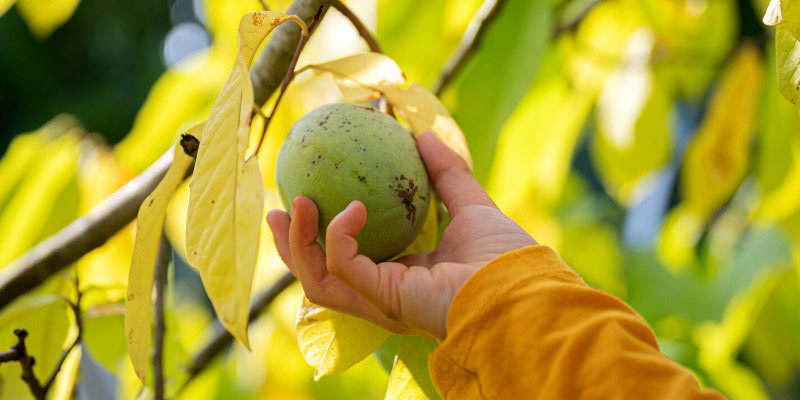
x: 412, y: 294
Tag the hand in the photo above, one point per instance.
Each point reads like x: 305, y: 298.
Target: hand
x: 413, y: 294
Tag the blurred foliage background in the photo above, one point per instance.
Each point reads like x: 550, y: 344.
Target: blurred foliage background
x: 645, y: 140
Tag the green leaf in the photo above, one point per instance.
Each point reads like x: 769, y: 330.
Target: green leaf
x: 632, y: 141
x: 332, y: 342
x: 410, y: 378
x: 496, y: 79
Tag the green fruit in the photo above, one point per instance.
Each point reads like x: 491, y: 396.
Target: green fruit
x: 343, y: 152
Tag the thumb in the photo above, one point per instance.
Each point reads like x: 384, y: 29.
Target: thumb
x: 450, y: 175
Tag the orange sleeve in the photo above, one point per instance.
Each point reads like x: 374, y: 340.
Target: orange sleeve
x: 526, y: 326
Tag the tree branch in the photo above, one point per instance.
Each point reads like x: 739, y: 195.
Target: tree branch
x: 162, y: 265
x: 81, y: 236
x: 360, y: 27
x: 92, y: 230
x: 470, y: 42
x: 222, y: 339
x: 290, y: 73
x: 270, y: 66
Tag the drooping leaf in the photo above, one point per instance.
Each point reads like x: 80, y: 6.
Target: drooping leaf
x: 226, y: 192
x: 496, y: 79
x: 45, y: 16
x: 420, y: 108
x: 150, y: 223
x: 787, y: 51
x: 410, y: 378
x: 332, y: 342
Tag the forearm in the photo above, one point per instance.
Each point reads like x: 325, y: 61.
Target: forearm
x: 527, y: 326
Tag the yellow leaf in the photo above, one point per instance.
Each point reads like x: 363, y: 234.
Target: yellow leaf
x: 177, y: 101
x: 44, y: 16
x: 5, y: 5
x: 718, y: 155
x: 419, y: 107
x: 150, y: 222
x: 774, y: 14
x: 332, y: 342
x: 410, y: 378
x: 27, y: 214
x: 46, y: 318
x: 226, y: 192
x: 632, y: 140
x: 785, y: 199
x: 99, y: 175
x: 537, y: 161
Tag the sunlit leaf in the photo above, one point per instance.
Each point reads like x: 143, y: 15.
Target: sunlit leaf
x: 719, y: 152
x: 533, y: 164
x: 774, y: 14
x: 179, y: 99
x: 28, y: 213
x: 46, y: 319
x: 99, y: 175
x: 716, y: 159
x: 150, y: 222
x: 410, y: 378
x: 226, y: 192
x: 332, y: 342
x: 694, y: 37
x: 45, y: 16
x: 632, y: 140
x: 719, y: 343
x: 420, y: 108
x: 67, y: 378
x: 787, y: 52
x: 499, y: 74
x: 5, y: 5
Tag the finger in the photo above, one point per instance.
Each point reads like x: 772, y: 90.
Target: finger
x: 450, y: 175
x: 373, y: 283
x: 278, y: 222
x: 320, y: 287
x: 307, y: 255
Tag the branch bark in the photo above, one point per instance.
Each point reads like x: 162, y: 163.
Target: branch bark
x: 92, y: 230
x: 270, y: 66
x: 222, y: 339
x: 81, y: 236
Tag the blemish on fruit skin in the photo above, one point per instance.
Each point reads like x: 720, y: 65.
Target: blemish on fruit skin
x: 406, y: 196
x: 362, y: 179
x: 150, y: 203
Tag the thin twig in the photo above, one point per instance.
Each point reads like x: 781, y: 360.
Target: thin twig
x: 264, y: 5
x: 290, y: 73
x: 573, y: 23
x: 360, y: 27
x: 92, y: 230
x: 222, y: 339
x: 19, y: 353
x: 75, y: 307
x: 470, y: 42
x: 158, y: 347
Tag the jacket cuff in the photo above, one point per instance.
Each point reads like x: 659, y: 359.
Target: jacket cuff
x: 466, y: 315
